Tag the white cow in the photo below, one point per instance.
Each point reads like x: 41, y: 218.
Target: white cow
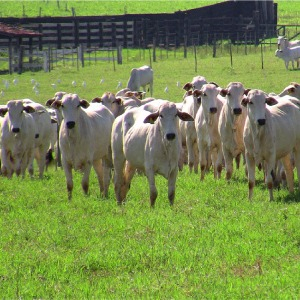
x: 231, y: 125
x: 283, y: 43
x: 150, y: 143
x: 85, y: 141
x: 206, y: 123
x: 289, y: 54
x: 292, y: 90
x: 18, y: 138
x: 43, y: 133
x: 141, y: 77
x: 271, y: 133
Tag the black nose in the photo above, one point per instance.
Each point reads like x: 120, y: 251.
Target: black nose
x: 237, y: 111
x: 16, y: 130
x: 37, y: 135
x: 213, y: 110
x: 170, y: 136
x: 261, y: 121
x: 70, y: 124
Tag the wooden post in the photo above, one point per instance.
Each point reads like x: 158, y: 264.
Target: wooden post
x: 185, y: 47
x: 150, y: 57
x: 20, y: 59
x: 262, y: 56
x: 119, y: 54
x: 114, y: 63
x: 154, y: 49
x: 230, y: 51
x: 195, y: 55
x: 10, y: 56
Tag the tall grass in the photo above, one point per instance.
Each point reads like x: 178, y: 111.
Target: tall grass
x: 213, y: 244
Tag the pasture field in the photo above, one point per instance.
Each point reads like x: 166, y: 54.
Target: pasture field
x: 212, y: 244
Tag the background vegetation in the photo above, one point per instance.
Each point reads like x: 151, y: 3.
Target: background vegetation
x: 213, y: 244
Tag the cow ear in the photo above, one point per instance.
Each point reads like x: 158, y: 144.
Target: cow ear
x: 84, y: 103
x: 184, y: 116
x: 223, y: 92
x: 291, y: 90
x: 118, y: 100
x: 3, y: 111
x: 271, y: 101
x: 49, y: 102
x: 187, y: 86
x: 53, y: 120
x: 97, y: 100
x: 246, y: 91
x: 151, y: 118
x: 197, y: 93
x: 56, y: 104
x: 244, y: 101
x: 189, y: 93
x: 29, y: 109
x: 295, y: 84
x: 129, y: 94
x: 212, y: 82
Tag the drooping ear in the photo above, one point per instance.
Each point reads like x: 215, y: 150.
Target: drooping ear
x: 291, y: 90
x: 129, y: 94
x: 140, y: 95
x: 271, y: 101
x: 56, y: 104
x: 84, y: 103
x: 246, y: 91
x: 151, y: 118
x: 184, y: 116
x: 295, y: 84
x: 212, y: 82
x: 53, y: 120
x: 244, y: 101
x: 118, y: 100
x: 49, y: 102
x: 197, y: 93
x: 187, y: 86
x: 29, y: 109
x: 97, y: 100
x: 3, y: 111
x: 224, y: 92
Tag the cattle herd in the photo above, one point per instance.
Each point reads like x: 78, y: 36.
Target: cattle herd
x: 124, y: 133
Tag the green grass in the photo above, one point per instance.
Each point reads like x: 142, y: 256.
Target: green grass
x: 213, y: 244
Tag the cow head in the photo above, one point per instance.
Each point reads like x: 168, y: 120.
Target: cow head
x: 71, y: 106
x: 166, y: 118
x: 255, y: 102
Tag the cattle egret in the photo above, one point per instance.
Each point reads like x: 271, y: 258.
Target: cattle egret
x: 74, y: 83
x: 178, y: 84
x: 101, y: 81
x: 15, y: 81
x: 166, y: 89
x: 53, y: 85
x: 2, y: 93
x: 84, y: 84
x: 32, y: 81
x: 119, y: 85
x: 58, y: 81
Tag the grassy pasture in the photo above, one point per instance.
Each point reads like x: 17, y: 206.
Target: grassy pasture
x: 213, y: 243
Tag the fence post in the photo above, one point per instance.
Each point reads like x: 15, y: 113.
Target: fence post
x: 185, y: 47
x: 230, y: 51
x: 154, y: 49
x: 46, y: 63
x: 20, y: 60
x: 119, y: 54
x: 80, y: 54
x: 195, y: 55
x: 262, y: 56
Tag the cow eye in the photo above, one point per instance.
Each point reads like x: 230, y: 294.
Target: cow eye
x: 161, y: 116
x: 228, y: 94
x: 204, y: 94
x: 250, y: 102
x: 78, y: 105
x: 62, y: 106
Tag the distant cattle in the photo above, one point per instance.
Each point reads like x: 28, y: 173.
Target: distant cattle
x: 141, y: 77
x: 85, y: 141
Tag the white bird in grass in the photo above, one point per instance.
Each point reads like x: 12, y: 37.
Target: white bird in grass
x: 53, y: 85
x: 166, y: 89
x: 32, y: 81
x: 101, y: 81
x: 15, y: 81
x: 74, y: 83
x: 178, y: 84
x: 119, y: 85
x: 2, y: 93
x: 84, y: 84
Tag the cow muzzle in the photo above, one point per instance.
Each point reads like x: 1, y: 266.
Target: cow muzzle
x: 261, y: 122
x: 237, y: 111
x: 213, y: 110
x: 70, y: 124
x: 170, y: 136
x: 16, y: 130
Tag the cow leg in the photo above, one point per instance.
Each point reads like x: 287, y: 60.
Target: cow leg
x: 270, y: 174
x: 41, y: 158
x: 219, y: 163
x: 68, y: 173
x: 250, y: 162
x: 286, y: 161
x: 6, y: 168
x: 119, y: 163
x: 153, y: 191
x: 171, y: 186
x: 202, y: 160
x: 106, y: 176
x: 85, y: 177
x: 228, y: 163
x: 128, y: 175
x: 297, y: 164
x: 97, y: 165
x: 196, y: 157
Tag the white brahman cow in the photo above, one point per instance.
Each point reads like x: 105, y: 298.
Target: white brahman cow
x: 84, y: 137
x: 289, y: 54
x: 206, y: 124
x: 148, y: 142
x: 141, y: 77
x: 271, y: 133
x: 292, y: 90
x: 18, y: 134
x: 231, y: 125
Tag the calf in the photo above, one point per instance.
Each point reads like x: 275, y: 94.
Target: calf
x: 289, y: 54
x: 17, y: 138
x: 150, y: 143
x: 270, y: 133
x: 85, y: 141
